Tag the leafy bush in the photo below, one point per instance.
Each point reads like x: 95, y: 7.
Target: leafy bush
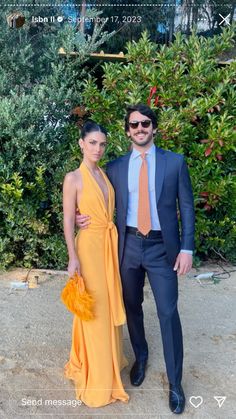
x: 38, y: 142
x: 195, y: 101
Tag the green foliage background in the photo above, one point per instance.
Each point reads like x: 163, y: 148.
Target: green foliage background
x: 38, y: 141
x: 195, y: 102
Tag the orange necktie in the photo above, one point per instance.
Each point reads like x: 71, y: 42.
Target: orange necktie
x: 144, y: 217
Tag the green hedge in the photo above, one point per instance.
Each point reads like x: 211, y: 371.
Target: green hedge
x: 38, y: 141
x: 195, y: 102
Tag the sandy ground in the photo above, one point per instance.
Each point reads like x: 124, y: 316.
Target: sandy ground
x: 35, y: 344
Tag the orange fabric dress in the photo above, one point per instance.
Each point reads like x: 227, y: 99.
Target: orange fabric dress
x: 96, y: 356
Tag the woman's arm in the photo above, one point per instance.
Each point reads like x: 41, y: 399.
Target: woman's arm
x: 71, y: 183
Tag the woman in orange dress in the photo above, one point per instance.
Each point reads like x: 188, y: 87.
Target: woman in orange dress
x: 96, y: 356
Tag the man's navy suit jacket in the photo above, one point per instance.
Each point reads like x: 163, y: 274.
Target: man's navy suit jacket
x: 173, y: 192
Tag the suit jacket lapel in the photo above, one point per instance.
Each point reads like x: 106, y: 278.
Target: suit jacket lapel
x: 123, y: 179
x: 159, y: 171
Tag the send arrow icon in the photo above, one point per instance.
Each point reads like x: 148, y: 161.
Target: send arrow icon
x: 220, y: 400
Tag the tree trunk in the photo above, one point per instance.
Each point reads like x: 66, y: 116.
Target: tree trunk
x: 187, y: 8
x: 172, y: 22
x: 82, y: 16
x: 195, y: 15
x: 232, y: 12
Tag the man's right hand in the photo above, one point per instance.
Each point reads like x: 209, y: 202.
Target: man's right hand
x: 82, y: 221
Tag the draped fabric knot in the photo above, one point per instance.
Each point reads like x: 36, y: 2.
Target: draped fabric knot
x: 113, y: 274
x: 110, y: 225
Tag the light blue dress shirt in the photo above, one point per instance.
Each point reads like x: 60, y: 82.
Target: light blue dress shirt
x: 135, y: 163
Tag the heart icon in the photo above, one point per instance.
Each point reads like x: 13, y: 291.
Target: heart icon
x: 196, y: 401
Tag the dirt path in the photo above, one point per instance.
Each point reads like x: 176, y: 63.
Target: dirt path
x: 35, y: 344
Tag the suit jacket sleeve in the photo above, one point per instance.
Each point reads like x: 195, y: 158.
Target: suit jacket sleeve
x: 109, y: 172
x: 186, y: 208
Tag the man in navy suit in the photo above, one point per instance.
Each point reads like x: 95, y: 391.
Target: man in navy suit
x: 163, y: 252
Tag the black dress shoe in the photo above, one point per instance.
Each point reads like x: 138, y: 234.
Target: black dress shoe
x: 137, y: 373
x: 176, y: 399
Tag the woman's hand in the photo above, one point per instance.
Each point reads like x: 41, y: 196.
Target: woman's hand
x: 73, y: 266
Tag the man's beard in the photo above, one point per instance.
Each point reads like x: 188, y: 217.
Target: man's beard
x: 148, y: 140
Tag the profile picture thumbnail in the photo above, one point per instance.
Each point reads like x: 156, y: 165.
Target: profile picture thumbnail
x: 15, y: 20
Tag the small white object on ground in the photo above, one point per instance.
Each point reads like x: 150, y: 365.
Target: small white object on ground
x: 18, y: 285
x: 206, y: 275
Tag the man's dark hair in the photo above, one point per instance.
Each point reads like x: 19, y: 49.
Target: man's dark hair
x: 144, y: 110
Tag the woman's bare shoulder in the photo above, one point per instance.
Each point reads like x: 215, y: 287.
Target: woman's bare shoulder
x: 74, y: 178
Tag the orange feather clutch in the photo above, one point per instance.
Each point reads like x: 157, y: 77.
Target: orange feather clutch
x: 77, y: 299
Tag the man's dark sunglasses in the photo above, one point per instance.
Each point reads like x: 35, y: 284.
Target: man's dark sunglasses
x: 145, y: 124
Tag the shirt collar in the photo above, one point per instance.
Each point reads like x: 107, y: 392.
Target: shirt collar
x: 135, y: 153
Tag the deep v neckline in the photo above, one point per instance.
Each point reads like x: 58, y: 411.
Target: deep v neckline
x: 99, y: 187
